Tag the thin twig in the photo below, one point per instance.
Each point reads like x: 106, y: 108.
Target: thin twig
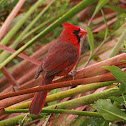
x: 23, y: 119
x: 46, y: 87
x: 21, y: 55
x: 107, y: 39
x: 10, y: 78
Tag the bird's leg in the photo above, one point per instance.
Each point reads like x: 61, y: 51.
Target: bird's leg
x: 73, y: 73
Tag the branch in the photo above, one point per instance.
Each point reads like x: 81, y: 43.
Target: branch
x: 64, y: 94
x: 9, y: 77
x: 61, y: 111
x: 44, y: 88
x: 21, y: 55
x: 73, y: 103
x: 11, y: 101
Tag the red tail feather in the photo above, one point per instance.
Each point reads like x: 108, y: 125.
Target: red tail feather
x: 38, y: 102
x: 39, y: 98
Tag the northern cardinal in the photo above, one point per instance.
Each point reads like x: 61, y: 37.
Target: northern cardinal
x: 59, y: 61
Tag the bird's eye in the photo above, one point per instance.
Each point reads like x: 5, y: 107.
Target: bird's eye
x: 76, y: 32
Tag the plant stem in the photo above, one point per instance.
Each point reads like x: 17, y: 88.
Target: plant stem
x: 9, y: 51
x: 118, y: 44
x: 10, y: 78
x: 61, y: 111
x: 41, y: 25
x: 86, y: 99
x: 64, y: 94
x: 71, y: 104
x: 59, y: 85
x: 14, y: 120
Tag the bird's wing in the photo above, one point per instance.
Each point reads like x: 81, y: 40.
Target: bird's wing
x: 59, y: 59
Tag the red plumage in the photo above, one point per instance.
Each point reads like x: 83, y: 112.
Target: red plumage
x: 59, y: 61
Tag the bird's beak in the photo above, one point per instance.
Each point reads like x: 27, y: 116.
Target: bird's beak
x: 82, y: 32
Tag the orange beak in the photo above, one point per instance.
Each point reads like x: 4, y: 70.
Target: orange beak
x: 82, y: 32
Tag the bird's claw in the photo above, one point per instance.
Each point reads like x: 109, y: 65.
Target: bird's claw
x: 73, y: 73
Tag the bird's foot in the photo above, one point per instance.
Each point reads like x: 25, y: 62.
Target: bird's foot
x: 73, y: 73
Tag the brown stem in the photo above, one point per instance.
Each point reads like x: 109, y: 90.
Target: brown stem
x: 9, y: 77
x: 10, y: 101
x: 104, y: 26
x: 58, y: 85
x: 21, y: 55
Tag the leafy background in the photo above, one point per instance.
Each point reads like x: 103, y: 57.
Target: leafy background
x: 96, y: 96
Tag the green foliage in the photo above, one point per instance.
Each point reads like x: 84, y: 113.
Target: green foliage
x: 120, y: 20
x: 100, y: 4
x: 56, y: 9
x: 116, y: 9
x: 93, y: 121
x: 118, y: 44
x: 107, y: 29
x: 109, y: 111
x: 5, y: 7
x: 120, y: 100
x: 27, y: 119
x: 114, y: 1
x: 90, y: 41
x: 3, y: 2
x: 101, y: 34
x: 98, y: 122
x: 119, y: 75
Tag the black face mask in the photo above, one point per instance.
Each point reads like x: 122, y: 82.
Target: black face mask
x: 76, y: 32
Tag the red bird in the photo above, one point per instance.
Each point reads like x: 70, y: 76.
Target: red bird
x: 59, y: 61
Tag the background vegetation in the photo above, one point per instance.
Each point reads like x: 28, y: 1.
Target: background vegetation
x: 96, y: 96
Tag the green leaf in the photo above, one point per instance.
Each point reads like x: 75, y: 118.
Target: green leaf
x: 118, y: 10
x: 90, y: 41
x: 93, y: 122
x: 107, y: 29
x: 117, y: 99
x: 118, y: 74
x: 109, y: 111
x: 118, y: 44
x: 121, y: 99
